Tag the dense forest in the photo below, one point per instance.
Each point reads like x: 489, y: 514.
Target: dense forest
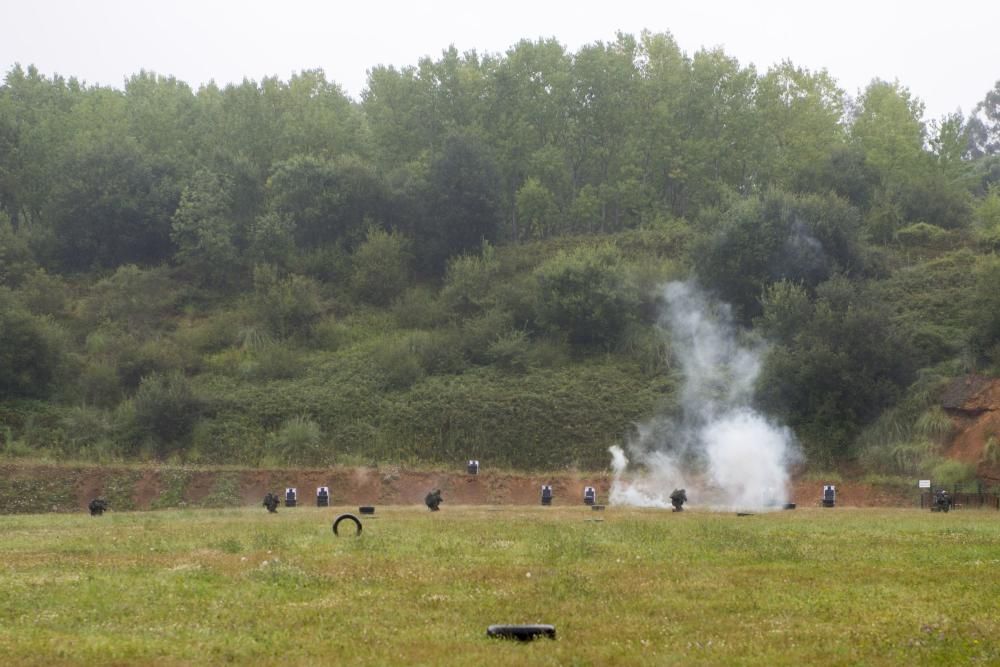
x: 465, y: 262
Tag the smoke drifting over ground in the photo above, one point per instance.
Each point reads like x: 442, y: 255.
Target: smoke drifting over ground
x: 726, y: 454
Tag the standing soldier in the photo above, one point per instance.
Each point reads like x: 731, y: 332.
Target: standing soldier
x: 271, y: 502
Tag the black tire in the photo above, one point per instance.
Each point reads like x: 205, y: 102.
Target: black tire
x: 524, y: 633
x: 346, y: 517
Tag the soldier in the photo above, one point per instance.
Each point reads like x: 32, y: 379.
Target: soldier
x: 271, y: 502
x: 678, y: 498
x: 97, y: 506
x: 433, y: 499
x: 942, y: 500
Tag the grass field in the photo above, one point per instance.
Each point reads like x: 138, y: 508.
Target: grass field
x: 622, y: 587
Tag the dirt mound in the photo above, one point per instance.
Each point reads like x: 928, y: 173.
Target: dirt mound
x: 973, y: 403
x: 45, y: 488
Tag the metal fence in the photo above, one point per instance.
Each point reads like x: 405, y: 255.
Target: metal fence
x: 966, y: 496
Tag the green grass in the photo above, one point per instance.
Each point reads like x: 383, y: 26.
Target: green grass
x: 638, y: 588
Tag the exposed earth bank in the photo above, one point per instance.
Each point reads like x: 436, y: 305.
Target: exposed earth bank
x: 29, y: 488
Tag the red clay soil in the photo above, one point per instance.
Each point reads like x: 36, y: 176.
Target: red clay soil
x: 973, y: 403
x: 382, y: 486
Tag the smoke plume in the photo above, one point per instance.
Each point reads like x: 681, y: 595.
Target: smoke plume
x: 726, y: 454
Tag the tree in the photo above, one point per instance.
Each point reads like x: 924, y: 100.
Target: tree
x: 537, y: 210
x: 113, y: 207
x: 984, y: 126
x: 203, y: 230
x: 31, y: 353
x: 837, y: 364
x: 804, y: 239
x: 586, y: 295
x: 328, y: 201
x: 801, y: 119
x: 381, y: 267
x: 462, y: 202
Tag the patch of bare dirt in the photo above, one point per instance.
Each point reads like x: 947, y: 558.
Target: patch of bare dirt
x: 973, y: 403
x: 392, y: 485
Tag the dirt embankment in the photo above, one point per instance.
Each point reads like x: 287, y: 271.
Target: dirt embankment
x: 43, y: 488
x: 973, y: 403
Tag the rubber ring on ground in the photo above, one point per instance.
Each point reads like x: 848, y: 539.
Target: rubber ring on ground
x: 524, y: 633
x: 346, y: 517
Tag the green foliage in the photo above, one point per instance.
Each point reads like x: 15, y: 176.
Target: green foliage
x: 174, y: 481
x: 31, y: 351
x: 163, y: 413
x: 380, y: 267
x: 286, y: 307
x: 298, y: 441
x: 841, y: 367
x: 951, y: 472
x: 921, y: 234
x: 203, y: 230
x: 803, y: 239
x: 586, y: 295
x: 474, y: 222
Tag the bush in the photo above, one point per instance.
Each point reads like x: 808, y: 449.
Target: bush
x: 951, y: 472
x: 381, y: 267
x: 286, y: 307
x: 398, y: 363
x: 585, y: 295
x: 163, y: 412
x: 419, y: 308
x: 298, y: 441
x: 32, y: 351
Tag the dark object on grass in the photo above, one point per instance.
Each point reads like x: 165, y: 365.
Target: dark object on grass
x: 546, y: 494
x: 942, y: 501
x: 524, y: 633
x: 367, y: 509
x: 678, y: 498
x: 271, y: 502
x: 433, y: 499
x: 98, y: 506
x: 744, y: 514
x: 346, y: 517
x: 597, y: 508
x: 789, y: 506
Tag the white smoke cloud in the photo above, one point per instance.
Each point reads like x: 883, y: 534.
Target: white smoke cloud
x: 726, y: 454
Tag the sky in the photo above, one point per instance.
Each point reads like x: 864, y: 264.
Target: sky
x: 946, y: 53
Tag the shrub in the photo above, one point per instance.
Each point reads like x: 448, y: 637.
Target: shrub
x: 398, y: 363
x: 586, y: 295
x: 286, y: 306
x: 381, y: 267
x: 951, y: 472
x: 298, y: 441
x: 164, y: 411
x: 419, y: 308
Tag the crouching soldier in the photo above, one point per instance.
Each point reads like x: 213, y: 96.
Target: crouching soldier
x: 271, y: 502
x: 678, y: 498
x: 98, y: 506
x: 942, y: 501
x: 433, y: 499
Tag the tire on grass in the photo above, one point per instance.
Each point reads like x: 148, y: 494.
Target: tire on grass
x: 346, y: 517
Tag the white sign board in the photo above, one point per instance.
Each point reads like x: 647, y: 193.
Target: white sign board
x: 924, y: 484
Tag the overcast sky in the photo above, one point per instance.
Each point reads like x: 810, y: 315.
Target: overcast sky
x: 946, y: 53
